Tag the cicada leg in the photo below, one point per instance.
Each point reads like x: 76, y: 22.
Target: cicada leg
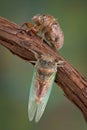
x: 30, y: 27
x: 33, y: 29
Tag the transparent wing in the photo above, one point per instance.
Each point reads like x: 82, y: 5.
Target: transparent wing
x: 41, y: 106
x: 32, y: 106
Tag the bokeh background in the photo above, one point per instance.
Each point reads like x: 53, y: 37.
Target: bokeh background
x: 16, y: 74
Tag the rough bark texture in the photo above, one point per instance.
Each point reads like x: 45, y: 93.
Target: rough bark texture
x: 68, y: 78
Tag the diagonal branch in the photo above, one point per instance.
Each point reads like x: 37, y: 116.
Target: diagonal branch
x: 68, y: 78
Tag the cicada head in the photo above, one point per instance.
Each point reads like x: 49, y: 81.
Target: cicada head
x: 38, y: 19
x: 44, y: 20
x: 47, y: 61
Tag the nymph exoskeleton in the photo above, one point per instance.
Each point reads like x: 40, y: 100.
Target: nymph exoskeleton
x: 43, y: 78
x: 48, y: 26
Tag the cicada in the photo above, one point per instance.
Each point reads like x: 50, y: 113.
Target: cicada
x: 49, y: 29
x: 42, y: 81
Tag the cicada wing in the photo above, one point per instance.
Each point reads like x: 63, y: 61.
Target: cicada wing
x: 31, y: 109
x: 42, y: 105
x: 32, y: 106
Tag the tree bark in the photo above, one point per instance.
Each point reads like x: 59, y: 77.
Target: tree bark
x: 21, y: 43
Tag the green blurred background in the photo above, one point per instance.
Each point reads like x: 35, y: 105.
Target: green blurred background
x: 16, y: 74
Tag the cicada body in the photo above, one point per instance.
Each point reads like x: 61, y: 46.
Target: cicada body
x: 50, y: 29
x: 44, y: 75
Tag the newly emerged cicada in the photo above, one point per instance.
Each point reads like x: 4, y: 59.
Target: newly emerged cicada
x: 50, y: 29
x: 43, y: 78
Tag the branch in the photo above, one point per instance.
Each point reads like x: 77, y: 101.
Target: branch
x: 68, y: 78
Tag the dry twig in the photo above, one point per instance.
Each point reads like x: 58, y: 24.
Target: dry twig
x: 68, y: 78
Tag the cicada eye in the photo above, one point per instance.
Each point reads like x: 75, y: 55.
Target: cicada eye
x: 49, y: 63
x: 56, y: 60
